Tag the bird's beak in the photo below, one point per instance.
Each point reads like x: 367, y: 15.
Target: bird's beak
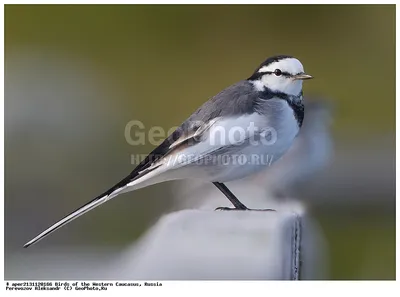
x: 302, y: 76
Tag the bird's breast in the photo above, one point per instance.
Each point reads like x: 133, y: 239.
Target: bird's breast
x: 281, y: 126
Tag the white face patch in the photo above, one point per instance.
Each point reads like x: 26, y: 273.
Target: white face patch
x: 281, y: 83
x: 290, y: 65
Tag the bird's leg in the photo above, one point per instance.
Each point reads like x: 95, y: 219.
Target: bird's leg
x: 232, y: 198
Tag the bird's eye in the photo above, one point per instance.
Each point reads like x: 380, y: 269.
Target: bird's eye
x: 278, y: 72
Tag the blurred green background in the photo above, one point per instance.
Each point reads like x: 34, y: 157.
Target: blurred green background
x: 75, y: 75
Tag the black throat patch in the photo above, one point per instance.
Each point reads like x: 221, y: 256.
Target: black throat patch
x: 298, y: 110
x: 294, y: 101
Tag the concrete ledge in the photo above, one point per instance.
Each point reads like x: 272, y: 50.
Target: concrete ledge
x: 217, y: 245
x: 191, y: 245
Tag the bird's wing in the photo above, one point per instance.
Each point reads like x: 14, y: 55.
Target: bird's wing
x: 195, y: 133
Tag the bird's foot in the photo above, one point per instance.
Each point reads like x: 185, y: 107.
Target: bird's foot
x: 234, y: 208
x: 230, y: 208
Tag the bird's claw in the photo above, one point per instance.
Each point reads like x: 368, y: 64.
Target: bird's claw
x: 229, y: 208
x: 233, y: 208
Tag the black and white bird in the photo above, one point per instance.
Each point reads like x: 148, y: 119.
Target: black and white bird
x: 240, y: 131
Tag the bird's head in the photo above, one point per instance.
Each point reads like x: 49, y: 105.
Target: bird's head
x: 283, y: 74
